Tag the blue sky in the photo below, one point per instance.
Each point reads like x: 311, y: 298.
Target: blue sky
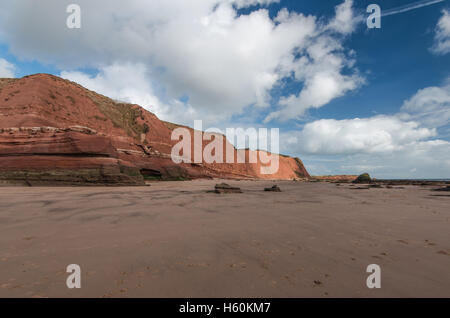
x: 347, y: 99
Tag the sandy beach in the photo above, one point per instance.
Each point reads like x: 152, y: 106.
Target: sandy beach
x: 173, y: 239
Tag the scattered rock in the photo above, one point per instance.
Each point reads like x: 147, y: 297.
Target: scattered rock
x: 275, y: 188
x: 447, y: 188
x: 226, y: 188
x: 363, y: 178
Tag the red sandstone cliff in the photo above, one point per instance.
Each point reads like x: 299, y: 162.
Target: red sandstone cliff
x: 53, y: 131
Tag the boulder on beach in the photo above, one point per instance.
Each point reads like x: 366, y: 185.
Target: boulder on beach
x: 226, y: 188
x: 275, y: 188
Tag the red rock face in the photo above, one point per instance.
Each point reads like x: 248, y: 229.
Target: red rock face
x: 53, y: 131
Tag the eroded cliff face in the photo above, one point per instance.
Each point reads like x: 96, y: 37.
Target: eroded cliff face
x: 53, y: 131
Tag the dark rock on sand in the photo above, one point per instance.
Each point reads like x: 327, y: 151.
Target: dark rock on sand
x: 275, y: 188
x: 447, y: 188
x: 226, y: 188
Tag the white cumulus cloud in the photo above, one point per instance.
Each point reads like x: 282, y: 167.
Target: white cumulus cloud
x: 345, y: 20
x: 430, y: 106
x: 380, y: 134
x: 442, y: 35
x: 7, y: 70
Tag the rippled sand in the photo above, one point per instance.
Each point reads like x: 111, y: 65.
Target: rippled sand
x: 176, y: 240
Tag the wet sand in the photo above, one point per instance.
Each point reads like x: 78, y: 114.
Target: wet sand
x: 176, y: 240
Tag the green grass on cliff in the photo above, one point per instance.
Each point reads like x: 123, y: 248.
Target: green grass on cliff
x: 122, y: 115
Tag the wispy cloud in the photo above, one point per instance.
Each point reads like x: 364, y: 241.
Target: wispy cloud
x: 409, y: 7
